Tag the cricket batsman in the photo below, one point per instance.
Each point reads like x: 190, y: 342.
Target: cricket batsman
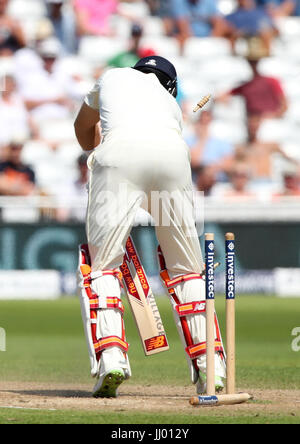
x: 133, y: 125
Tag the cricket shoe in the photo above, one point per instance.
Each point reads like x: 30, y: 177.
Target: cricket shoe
x: 201, y: 384
x: 108, y: 384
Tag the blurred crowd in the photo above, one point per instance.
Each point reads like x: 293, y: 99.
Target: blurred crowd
x: 244, y: 144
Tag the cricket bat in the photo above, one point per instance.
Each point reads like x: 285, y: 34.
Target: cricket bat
x: 142, y: 303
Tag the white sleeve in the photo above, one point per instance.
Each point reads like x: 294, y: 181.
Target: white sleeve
x: 179, y: 117
x: 181, y: 121
x: 92, y: 98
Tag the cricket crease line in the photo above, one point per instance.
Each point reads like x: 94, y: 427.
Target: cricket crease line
x: 26, y: 408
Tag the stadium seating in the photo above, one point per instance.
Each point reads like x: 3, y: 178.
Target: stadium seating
x: 282, y: 68
x: 25, y: 9
x: 98, y: 50
x: 236, y: 134
x: 57, y: 131
x: 278, y: 130
x: 289, y: 28
x: 162, y: 45
x: 206, y: 66
x: 206, y: 48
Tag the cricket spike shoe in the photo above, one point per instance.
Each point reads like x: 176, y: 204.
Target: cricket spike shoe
x: 201, y: 384
x: 108, y: 384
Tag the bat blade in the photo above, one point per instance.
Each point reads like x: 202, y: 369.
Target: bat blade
x: 142, y: 303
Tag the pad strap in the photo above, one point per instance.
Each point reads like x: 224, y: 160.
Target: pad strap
x: 116, y: 303
x: 98, y: 274
x: 194, y: 351
x: 170, y: 283
x: 111, y: 341
x: 111, y: 301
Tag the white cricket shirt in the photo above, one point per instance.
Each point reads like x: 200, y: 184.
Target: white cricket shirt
x: 130, y: 99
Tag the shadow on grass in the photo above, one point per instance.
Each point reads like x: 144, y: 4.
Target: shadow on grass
x: 81, y: 394
x: 52, y: 393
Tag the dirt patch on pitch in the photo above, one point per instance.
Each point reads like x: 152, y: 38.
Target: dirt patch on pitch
x: 164, y: 399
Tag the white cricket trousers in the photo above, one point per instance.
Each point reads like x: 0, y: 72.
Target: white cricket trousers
x: 152, y: 172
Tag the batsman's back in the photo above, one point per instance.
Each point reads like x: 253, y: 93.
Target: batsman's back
x: 133, y: 100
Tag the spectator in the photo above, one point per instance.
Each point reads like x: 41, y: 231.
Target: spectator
x: 291, y: 184
x: 45, y: 90
x: 208, y: 150
x: 251, y: 21
x: 43, y: 31
x: 239, y: 184
x: 163, y: 9
x: 259, y: 155
x: 297, y: 8
x: 93, y: 16
x: 63, y: 21
x: 205, y: 179
x: 199, y: 18
x: 135, y: 51
x: 154, y: 6
x: 263, y: 95
x: 278, y: 8
x: 27, y: 60
x: 14, y: 117
x: 75, y: 192
x: 12, y: 36
x: 16, y: 179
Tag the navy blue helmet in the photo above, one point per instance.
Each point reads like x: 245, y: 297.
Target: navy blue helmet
x: 162, y: 68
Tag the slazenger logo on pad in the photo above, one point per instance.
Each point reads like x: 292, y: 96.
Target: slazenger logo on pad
x: 151, y: 62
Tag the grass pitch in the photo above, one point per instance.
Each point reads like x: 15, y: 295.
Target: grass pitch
x: 46, y: 345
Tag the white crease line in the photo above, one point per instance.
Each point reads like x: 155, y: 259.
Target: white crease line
x: 26, y: 408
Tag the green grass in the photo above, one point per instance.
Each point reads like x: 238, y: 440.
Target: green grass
x: 45, y: 343
x: 8, y: 416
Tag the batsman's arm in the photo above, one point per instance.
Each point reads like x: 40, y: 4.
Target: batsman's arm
x: 87, y: 128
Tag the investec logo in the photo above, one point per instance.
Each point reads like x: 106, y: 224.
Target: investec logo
x: 230, y: 271
x: 210, y: 271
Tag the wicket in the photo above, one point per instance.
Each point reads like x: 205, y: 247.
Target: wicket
x: 211, y: 399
